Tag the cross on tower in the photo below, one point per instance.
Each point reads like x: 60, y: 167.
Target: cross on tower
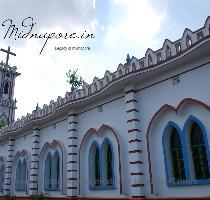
x: 8, y: 52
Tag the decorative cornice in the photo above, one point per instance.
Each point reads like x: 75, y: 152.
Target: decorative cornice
x: 8, y: 103
x: 152, y: 59
x: 8, y: 68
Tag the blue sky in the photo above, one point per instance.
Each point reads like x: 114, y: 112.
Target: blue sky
x: 119, y: 26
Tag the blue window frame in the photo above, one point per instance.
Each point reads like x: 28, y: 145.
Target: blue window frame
x: 52, y: 172
x: 175, y: 157
x: 199, y: 155
x: 186, y: 156
x: 196, y: 135
x: 101, y: 166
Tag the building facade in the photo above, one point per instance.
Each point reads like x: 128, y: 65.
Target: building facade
x: 140, y: 132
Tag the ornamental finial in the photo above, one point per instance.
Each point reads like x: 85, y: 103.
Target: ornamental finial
x: 128, y: 60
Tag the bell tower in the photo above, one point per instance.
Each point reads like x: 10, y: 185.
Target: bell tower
x: 7, y: 85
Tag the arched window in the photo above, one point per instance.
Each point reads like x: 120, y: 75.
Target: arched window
x: 47, y: 173
x: 199, y: 154
x: 177, y: 157
x: 6, y: 88
x: 101, y: 165
x: 168, y: 52
x: 21, y: 175
x: 52, y: 172
x: 94, y: 166
x: 2, y: 173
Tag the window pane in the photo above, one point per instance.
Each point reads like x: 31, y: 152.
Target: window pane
x: 97, y: 168
x: 47, y: 172
x: 18, y: 176
x: 109, y: 166
x: 199, y: 152
x: 177, y: 156
x: 55, y: 171
x: 23, y: 175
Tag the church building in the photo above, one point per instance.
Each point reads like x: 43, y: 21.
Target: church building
x: 141, y: 132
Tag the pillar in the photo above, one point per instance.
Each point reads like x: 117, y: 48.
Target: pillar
x: 33, y: 187
x: 135, y: 147
x: 8, y: 171
x: 72, y: 156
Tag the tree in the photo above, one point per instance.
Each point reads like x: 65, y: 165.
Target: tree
x: 2, y: 123
x: 73, y: 79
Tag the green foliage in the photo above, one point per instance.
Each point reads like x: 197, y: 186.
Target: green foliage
x: 38, y: 197
x: 2, y: 123
x: 73, y: 79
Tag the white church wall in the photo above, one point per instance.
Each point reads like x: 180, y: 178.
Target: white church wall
x: 55, y: 131
x: 113, y: 115
x: 84, y: 167
x: 23, y: 143
x: 168, y: 80
x: 157, y: 157
x: 154, y: 97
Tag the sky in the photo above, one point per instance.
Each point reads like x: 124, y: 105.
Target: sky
x: 118, y: 27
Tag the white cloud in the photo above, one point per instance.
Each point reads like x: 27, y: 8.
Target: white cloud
x: 137, y: 26
x: 132, y: 26
x: 43, y: 76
